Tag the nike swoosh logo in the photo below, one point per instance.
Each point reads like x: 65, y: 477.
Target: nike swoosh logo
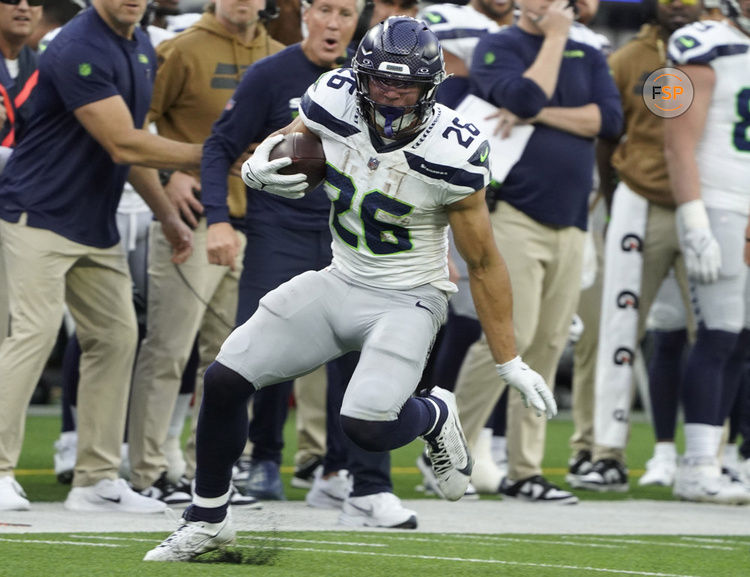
x: 366, y: 511
x: 484, y: 155
x: 110, y: 499
x: 421, y: 306
x: 433, y: 17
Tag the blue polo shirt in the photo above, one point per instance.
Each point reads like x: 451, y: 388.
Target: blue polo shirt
x: 59, y: 175
x: 265, y: 101
x: 552, y: 180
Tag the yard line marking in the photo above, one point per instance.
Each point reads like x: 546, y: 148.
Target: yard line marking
x: 711, y: 540
x: 497, y: 540
x: 653, y: 543
x: 77, y: 543
x: 489, y: 561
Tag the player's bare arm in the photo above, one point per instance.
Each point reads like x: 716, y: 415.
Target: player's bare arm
x: 488, y: 276
x: 682, y: 134
x: 109, y: 121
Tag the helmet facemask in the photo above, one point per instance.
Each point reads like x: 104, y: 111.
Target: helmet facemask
x: 395, y: 122
x: 732, y: 9
x: 398, y: 51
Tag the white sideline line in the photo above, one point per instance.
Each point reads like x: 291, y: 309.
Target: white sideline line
x: 44, y: 542
x: 653, y: 543
x: 488, y: 561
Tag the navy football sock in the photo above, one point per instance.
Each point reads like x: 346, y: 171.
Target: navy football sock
x: 664, y: 377
x: 416, y: 417
x: 733, y: 375
x: 702, y: 385
x: 222, y: 431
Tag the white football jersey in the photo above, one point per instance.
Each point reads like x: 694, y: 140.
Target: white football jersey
x: 388, y: 219
x: 723, y: 153
x: 458, y: 28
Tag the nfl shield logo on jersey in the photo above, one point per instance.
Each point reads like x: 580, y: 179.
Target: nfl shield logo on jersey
x: 373, y: 163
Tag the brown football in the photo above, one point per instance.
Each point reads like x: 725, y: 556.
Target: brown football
x: 306, y: 152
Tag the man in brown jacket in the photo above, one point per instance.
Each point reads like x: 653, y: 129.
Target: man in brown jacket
x: 198, y: 72
x: 641, y: 248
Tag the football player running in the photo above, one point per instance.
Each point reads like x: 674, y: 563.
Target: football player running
x: 400, y: 170
x: 708, y: 156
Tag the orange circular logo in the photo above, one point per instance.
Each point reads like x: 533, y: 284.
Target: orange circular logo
x: 667, y: 92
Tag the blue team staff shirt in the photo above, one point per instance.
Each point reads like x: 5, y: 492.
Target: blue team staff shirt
x: 554, y: 176
x: 59, y: 175
x: 265, y: 101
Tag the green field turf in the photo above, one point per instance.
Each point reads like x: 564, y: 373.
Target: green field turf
x: 384, y: 554
x: 376, y: 554
x: 36, y: 475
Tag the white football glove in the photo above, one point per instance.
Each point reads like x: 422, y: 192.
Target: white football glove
x: 699, y: 247
x: 534, y: 391
x: 261, y: 174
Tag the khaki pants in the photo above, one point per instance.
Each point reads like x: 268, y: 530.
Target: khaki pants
x: 310, y: 393
x: 175, y: 315
x: 4, y: 313
x: 545, y: 271
x: 45, y: 271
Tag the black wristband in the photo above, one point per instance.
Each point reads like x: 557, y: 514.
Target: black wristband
x: 165, y: 175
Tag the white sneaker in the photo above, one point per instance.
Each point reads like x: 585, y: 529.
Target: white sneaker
x: 192, y: 538
x: 377, y: 510
x: 329, y: 493
x: 702, y: 481
x: 65, y: 456
x: 448, y: 453
x: 12, y: 496
x: 660, y: 470
x: 111, y: 495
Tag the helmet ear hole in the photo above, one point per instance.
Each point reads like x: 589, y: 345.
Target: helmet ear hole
x: 398, y: 49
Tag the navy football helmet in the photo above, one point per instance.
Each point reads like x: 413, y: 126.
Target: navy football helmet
x: 399, y: 49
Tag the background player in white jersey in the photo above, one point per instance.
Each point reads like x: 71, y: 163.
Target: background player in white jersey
x: 400, y: 169
x: 708, y: 156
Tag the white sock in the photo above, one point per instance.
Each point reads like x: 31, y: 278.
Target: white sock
x: 665, y: 450
x: 731, y: 456
x: 499, y: 449
x: 700, y: 441
x: 179, y: 414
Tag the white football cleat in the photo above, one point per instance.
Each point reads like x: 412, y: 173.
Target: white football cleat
x: 702, y: 481
x: 660, y: 470
x: 447, y: 451
x: 378, y: 510
x: 65, y: 456
x: 193, y: 538
x: 329, y: 493
x: 111, y: 495
x: 12, y: 496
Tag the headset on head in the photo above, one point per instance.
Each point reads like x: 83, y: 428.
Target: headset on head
x: 270, y: 12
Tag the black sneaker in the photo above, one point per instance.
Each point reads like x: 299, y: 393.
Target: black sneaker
x: 578, y: 466
x: 606, y: 475
x: 164, y: 490
x: 304, y: 473
x: 536, y: 489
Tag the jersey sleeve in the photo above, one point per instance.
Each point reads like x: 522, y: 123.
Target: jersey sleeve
x: 81, y: 73
x: 328, y: 107
x: 698, y: 43
x: 457, y: 157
